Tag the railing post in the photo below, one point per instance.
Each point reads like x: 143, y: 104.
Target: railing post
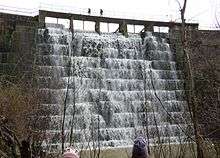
x: 149, y: 28
x: 41, y: 19
x: 123, y: 28
x: 97, y: 27
x: 71, y: 25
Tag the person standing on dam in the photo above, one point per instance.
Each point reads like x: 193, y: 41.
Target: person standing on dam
x: 89, y: 11
x: 140, y: 149
x: 101, y: 12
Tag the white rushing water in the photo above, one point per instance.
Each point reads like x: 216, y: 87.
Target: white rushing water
x: 118, y: 88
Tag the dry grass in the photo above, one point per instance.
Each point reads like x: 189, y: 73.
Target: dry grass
x: 164, y: 151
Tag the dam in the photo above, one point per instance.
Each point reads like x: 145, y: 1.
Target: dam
x: 111, y: 88
x: 105, y: 89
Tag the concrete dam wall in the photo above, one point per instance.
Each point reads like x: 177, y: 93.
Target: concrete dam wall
x: 111, y: 88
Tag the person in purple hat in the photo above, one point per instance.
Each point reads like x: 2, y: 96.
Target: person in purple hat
x: 70, y: 153
x: 140, y: 148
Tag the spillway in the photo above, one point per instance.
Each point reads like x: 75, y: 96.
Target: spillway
x: 113, y: 87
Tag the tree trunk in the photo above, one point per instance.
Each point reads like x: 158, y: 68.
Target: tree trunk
x: 192, y: 96
x: 25, y: 149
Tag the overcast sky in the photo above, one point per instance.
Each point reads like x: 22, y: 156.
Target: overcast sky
x: 202, y: 11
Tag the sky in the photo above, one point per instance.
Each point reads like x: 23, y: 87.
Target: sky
x: 203, y: 12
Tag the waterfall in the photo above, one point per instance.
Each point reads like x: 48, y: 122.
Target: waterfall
x: 116, y: 88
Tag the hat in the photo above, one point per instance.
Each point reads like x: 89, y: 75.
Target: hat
x: 70, y: 153
x: 139, y: 148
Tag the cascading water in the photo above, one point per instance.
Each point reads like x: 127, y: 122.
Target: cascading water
x: 114, y: 88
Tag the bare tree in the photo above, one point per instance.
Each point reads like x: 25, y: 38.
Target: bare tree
x: 20, y: 123
x: 193, y: 104
x: 65, y: 105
